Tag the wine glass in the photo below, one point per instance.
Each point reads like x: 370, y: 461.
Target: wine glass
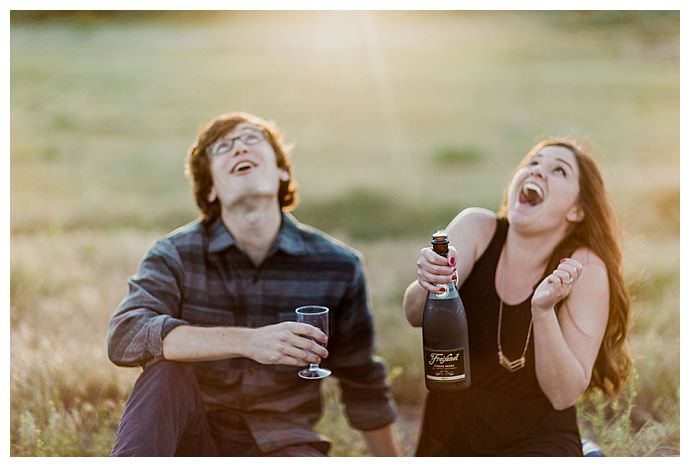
x: 316, y: 316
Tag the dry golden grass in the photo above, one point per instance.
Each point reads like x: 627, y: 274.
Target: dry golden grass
x: 400, y: 119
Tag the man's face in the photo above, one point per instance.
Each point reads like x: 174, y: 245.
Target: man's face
x: 243, y: 167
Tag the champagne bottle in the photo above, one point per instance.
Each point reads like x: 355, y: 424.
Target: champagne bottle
x: 444, y: 334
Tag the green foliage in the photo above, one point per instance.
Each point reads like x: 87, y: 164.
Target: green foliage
x: 94, y: 18
x: 648, y: 22
x: 366, y: 214
x: 613, y: 424
x: 457, y: 156
x: 609, y: 420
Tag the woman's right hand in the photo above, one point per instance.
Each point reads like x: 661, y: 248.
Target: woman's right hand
x: 433, y: 269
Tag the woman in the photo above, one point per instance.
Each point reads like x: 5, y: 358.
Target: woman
x: 546, y: 306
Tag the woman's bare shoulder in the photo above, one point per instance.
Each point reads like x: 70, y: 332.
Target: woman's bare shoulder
x: 593, y: 279
x: 587, y: 257
x: 473, y: 226
x: 475, y: 220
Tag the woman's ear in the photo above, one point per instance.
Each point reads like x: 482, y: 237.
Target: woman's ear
x: 284, y: 176
x: 212, y: 195
x: 575, y: 214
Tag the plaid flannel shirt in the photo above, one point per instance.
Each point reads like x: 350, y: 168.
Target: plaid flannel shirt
x: 198, y: 275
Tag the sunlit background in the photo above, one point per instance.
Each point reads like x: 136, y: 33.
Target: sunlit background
x: 399, y: 119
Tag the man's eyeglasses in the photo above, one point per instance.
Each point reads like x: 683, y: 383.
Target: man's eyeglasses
x: 224, y: 146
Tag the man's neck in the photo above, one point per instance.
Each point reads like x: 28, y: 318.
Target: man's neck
x: 254, y: 226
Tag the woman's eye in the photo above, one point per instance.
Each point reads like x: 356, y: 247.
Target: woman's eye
x: 531, y: 164
x: 560, y: 169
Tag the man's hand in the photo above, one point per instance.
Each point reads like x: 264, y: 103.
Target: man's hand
x: 287, y: 343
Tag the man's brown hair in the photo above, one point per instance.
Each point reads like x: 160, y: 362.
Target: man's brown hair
x: 197, y: 166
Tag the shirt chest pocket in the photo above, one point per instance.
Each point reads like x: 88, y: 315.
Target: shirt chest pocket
x: 198, y: 315
x: 219, y: 371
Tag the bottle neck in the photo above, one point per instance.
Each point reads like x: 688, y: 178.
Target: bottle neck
x: 439, y: 243
x: 450, y: 293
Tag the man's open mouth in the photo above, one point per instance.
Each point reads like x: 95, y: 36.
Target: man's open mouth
x: 531, y: 194
x: 242, y: 167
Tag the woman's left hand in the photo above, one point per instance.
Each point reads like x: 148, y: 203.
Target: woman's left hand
x: 556, y: 286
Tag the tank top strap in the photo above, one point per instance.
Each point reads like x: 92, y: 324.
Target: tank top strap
x: 488, y: 261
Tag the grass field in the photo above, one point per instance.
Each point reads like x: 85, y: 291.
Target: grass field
x: 400, y: 121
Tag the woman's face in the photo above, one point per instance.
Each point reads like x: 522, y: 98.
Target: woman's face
x: 543, y: 195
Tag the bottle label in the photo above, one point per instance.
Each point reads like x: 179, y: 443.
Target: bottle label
x: 445, y: 365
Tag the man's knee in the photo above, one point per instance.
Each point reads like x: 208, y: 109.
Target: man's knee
x: 170, y: 370
x: 166, y: 398
x: 175, y: 377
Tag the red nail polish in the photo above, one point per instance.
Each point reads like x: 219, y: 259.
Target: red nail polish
x: 452, y: 261
x: 442, y: 289
x: 454, y: 276
x: 563, y: 260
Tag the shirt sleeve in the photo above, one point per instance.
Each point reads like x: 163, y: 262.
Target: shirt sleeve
x: 149, y: 311
x: 362, y: 376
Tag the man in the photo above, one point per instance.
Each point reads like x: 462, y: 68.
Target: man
x: 210, y: 317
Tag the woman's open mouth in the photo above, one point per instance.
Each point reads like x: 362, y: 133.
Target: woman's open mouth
x: 531, y: 194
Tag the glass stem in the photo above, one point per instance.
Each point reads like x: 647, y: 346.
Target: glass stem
x: 313, y: 366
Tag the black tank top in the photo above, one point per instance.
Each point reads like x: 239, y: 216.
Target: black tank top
x: 502, y: 413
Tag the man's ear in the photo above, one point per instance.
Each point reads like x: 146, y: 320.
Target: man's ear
x: 575, y: 214
x: 212, y: 195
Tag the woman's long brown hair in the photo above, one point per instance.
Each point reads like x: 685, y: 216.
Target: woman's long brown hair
x: 598, y: 231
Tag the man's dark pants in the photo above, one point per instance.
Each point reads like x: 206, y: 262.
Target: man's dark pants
x: 165, y: 416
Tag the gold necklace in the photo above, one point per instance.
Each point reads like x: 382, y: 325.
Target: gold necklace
x: 510, y: 365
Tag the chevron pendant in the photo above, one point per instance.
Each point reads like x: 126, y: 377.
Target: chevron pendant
x: 511, y: 365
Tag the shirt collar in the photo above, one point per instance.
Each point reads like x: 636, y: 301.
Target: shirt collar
x: 289, y: 239
x: 219, y: 237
